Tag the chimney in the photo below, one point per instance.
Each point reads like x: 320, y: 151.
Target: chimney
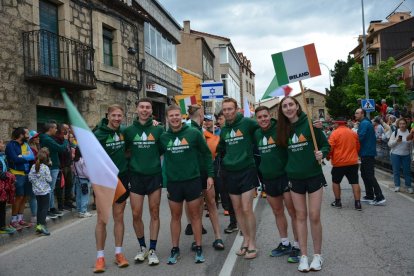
x: 187, y: 26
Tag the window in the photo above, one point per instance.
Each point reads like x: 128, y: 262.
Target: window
x: 108, y: 38
x: 309, y: 100
x: 159, y: 47
x: 371, y: 59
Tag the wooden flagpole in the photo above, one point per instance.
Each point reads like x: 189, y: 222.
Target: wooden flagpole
x: 315, y: 145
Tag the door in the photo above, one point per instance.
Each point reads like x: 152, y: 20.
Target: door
x: 49, y: 43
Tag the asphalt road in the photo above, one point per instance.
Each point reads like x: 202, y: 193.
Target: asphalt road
x: 376, y: 241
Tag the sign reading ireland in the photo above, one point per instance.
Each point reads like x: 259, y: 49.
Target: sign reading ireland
x: 296, y: 64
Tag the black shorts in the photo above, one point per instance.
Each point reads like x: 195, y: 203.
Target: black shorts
x: 351, y: 173
x: 239, y: 182
x: 145, y: 184
x: 277, y: 186
x: 186, y: 190
x: 308, y: 185
x: 125, y: 181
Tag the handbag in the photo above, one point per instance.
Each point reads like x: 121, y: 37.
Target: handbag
x: 83, y: 186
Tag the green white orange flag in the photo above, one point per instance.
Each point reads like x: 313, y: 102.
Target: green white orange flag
x: 184, y: 103
x: 276, y: 90
x: 296, y: 64
x: 102, y: 171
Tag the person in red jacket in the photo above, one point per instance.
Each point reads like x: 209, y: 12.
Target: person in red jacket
x: 344, y: 158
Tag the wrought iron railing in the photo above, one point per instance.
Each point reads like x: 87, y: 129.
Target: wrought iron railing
x: 58, y: 60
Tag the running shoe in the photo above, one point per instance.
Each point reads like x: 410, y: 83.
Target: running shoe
x: 41, y: 229
x: 367, y: 199
x: 410, y: 190
x: 51, y: 215
x: 6, y: 230
x: 99, y: 265
x: 199, y: 257
x: 396, y: 189
x: 120, y: 260
x: 358, y: 206
x: 378, y: 202
x: 56, y: 212
x: 303, y: 264
x: 152, y: 258
x: 85, y: 215
x: 281, y: 250
x: 175, y: 255
x: 316, y: 263
x: 24, y: 224
x: 231, y: 228
x: 336, y: 204
x: 294, y: 255
x: 16, y: 225
x: 141, y: 255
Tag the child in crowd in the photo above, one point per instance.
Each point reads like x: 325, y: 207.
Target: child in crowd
x: 82, y: 185
x: 40, y: 178
x: 7, y: 191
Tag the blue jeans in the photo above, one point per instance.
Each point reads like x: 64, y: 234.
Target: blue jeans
x: 401, y: 160
x: 54, y: 173
x: 82, y: 200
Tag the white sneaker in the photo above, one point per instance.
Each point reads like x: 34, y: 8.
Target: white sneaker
x: 316, y: 263
x: 380, y: 202
x: 141, y: 255
x: 410, y: 190
x: 303, y: 264
x: 85, y: 215
x: 396, y: 189
x: 152, y: 258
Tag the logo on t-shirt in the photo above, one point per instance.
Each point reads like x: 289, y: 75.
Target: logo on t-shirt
x: 296, y: 143
x: 114, y: 141
x: 233, y: 137
x: 144, y: 141
x: 266, y: 144
x: 177, y: 146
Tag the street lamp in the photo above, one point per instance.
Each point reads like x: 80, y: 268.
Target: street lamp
x: 329, y: 72
x: 393, y: 91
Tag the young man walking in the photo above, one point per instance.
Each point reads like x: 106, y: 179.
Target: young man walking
x: 142, y: 144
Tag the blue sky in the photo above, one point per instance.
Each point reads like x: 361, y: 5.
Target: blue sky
x: 260, y: 28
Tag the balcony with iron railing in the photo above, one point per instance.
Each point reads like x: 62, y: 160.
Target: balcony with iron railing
x: 163, y: 74
x: 58, y: 61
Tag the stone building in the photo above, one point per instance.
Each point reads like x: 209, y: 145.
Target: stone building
x: 246, y: 81
x: 101, y: 51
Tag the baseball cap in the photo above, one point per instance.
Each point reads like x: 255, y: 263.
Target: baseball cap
x: 208, y: 117
x: 33, y: 134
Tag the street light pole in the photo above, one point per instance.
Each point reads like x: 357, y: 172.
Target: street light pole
x: 329, y: 71
x: 364, y: 39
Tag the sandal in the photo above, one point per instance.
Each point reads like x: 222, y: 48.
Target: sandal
x: 218, y: 244
x: 242, y: 251
x: 251, y: 254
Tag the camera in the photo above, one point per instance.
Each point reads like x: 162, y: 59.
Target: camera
x: 400, y: 137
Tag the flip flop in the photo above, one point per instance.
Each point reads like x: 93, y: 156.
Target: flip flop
x: 251, y: 254
x: 218, y: 244
x: 242, y: 251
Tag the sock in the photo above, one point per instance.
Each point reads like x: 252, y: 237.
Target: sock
x: 296, y: 244
x: 176, y: 248
x: 285, y: 241
x: 13, y: 218
x: 153, y: 244
x: 118, y: 249
x: 337, y: 200
x: 19, y: 217
x: 198, y: 248
x: 100, y: 254
x: 142, y: 241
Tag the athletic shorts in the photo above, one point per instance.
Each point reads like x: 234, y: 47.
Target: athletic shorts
x: 277, y: 186
x: 239, y: 182
x: 184, y: 190
x: 308, y: 185
x: 22, y: 185
x: 125, y: 181
x: 351, y: 173
x: 145, y: 184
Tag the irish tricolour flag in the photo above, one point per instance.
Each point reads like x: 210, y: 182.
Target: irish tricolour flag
x: 296, y: 64
x: 276, y: 90
x: 184, y: 103
x: 102, y: 171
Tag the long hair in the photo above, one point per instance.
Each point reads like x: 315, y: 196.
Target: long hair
x: 42, y: 158
x: 78, y: 155
x: 284, y: 126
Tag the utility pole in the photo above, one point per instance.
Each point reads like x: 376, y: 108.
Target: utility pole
x: 364, y: 39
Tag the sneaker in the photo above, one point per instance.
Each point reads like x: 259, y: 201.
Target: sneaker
x: 16, y: 226
x: 120, y: 260
x: 358, y: 206
x: 99, y: 265
x: 367, y: 199
x: 378, y: 202
x: 316, y: 263
x: 152, y: 258
x: 410, y: 190
x: 199, y: 257
x: 281, y: 250
x: 396, y: 189
x: 85, y: 215
x: 336, y: 204
x: 188, y: 230
x: 141, y: 255
x: 38, y: 229
x: 43, y: 230
x: 56, y: 212
x: 68, y: 206
x: 175, y: 255
x: 294, y: 255
x: 231, y: 228
x: 52, y: 215
x: 7, y: 230
x: 303, y: 264
x: 24, y: 224
x: 226, y: 213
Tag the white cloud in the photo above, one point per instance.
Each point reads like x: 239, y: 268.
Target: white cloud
x: 263, y: 27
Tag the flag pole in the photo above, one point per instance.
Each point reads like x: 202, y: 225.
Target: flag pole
x: 315, y: 145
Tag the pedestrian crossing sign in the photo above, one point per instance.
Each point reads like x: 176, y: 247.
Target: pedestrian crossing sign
x: 368, y: 105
